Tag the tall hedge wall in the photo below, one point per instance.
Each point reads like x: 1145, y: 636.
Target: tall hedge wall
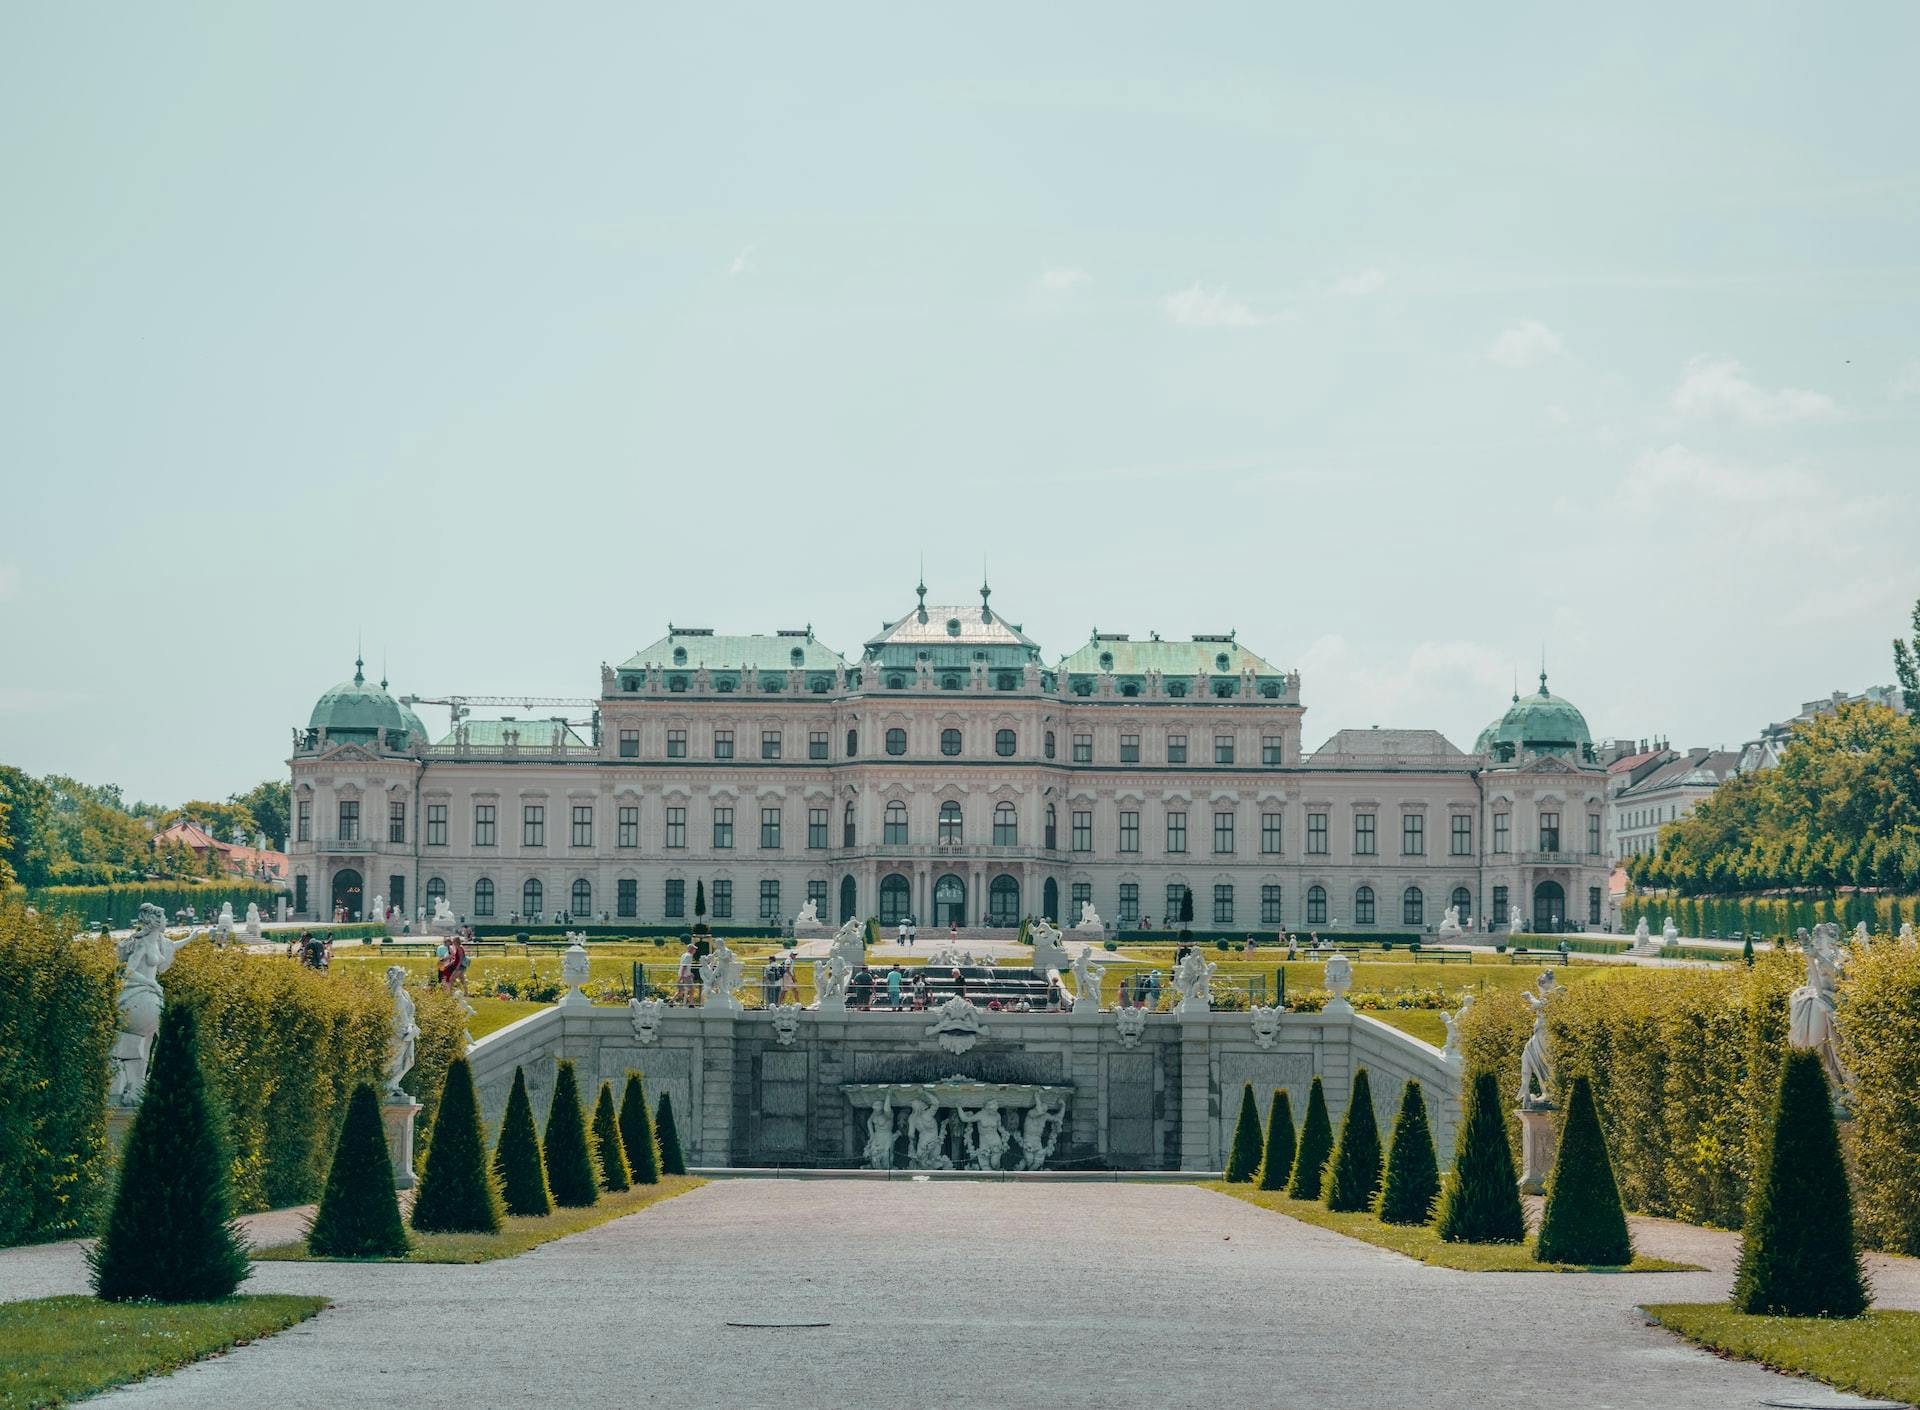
x: 120, y: 904
x: 1768, y: 916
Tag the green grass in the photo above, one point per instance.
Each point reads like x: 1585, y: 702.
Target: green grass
x: 516, y: 1236
x: 490, y: 1015
x: 56, y: 1349
x: 1422, y: 1242
x: 1424, y: 1024
x: 1878, y: 1354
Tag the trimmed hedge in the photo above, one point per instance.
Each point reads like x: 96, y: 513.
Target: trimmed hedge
x: 1356, y: 1159
x: 570, y: 1174
x: 516, y: 1156
x: 458, y: 1193
x: 120, y: 904
x: 636, y: 1132
x: 359, y: 1214
x: 1771, y: 916
x: 1481, y: 1203
x: 1880, y: 1039
x: 1243, y: 1159
x: 1413, y: 1169
x: 667, y: 1136
x: 1583, y: 1221
x: 1276, y: 1166
x: 1316, y: 1144
x: 615, y: 1175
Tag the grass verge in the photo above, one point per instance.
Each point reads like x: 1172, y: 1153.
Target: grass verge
x: 56, y: 1349
x: 516, y: 1236
x: 1878, y: 1354
x: 490, y: 1015
x: 1421, y: 1241
x: 1423, y: 1024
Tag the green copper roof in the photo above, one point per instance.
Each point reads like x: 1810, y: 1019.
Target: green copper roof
x: 1122, y: 656
x: 355, y: 708
x: 690, y: 648
x: 1541, y: 722
x: 952, y: 638
x: 532, y: 734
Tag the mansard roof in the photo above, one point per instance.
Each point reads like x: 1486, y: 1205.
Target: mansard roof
x: 1118, y: 653
x: 952, y: 635
x: 1380, y: 748
x: 690, y: 648
x: 532, y: 734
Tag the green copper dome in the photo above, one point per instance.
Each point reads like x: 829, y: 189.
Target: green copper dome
x: 355, y: 710
x: 1542, y: 722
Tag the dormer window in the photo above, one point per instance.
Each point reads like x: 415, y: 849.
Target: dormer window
x: 953, y: 626
x: 679, y: 655
x: 1106, y: 660
x: 1220, y: 662
x: 796, y: 656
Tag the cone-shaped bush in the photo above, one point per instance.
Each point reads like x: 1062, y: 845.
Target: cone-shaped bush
x: 1356, y: 1160
x: 170, y: 1236
x: 636, y: 1133
x: 1316, y: 1144
x: 359, y: 1215
x: 667, y: 1135
x: 569, y: 1160
x: 1583, y: 1221
x: 1243, y: 1158
x: 516, y: 1156
x: 1481, y: 1204
x: 614, y: 1174
x: 1276, y: 1167
x: 458, y: 1193
x: 1798, y: 1257
x: 1413, y: 1171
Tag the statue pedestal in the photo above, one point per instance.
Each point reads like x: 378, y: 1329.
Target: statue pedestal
x: 1537, y: 1146
x: 398, y: 1117
x: 1085, y: 1011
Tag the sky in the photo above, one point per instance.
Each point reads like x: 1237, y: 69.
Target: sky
x: 1410, y: 342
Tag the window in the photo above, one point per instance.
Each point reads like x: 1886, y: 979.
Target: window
x: 896, y: 899
x: 1272, y: 753
x: 1003, y: 742
x: 396, y: 822
x: 723, y: 744
x: 436, y: 824
x: 817, y: 893
x: 1082, y: 823
x: 583, y: 824
x: 1129, y: 832
x: 303, y: 831
x: 1129, y: 903
x: 817, y: 744
x: 349, y: 817
x: 1317, y: 834
x: 853, y: 742
x: 1223, y: 749
x: 1499, y: 915
x: 676, y: 744
x: 816, y: 829
x: 1501, y: 840
x: 1006, y: 828
x: 1462, y: 835
x: 1593, y: 905
x: 629, y: 744
x: 1462, y: 902
x: 1049, y: 744
x: 1003, y: 901
x: 896, y: 741
x: 628, y: 820
x: 1316, y: 905
x: 769, y: 744
x: 676, y: 828
x: 950, y: 825
x: 1270, y: 912
x: 893, y: 828
x: 723, y: 900
x: 1223, y: 904
x: 846, y: 827
x: 1593, y: 834
x: 1083, y: 749
x: 1413, y: 907
x: 1365, y: 844
x: 626, y: 898
x: 1270, y: 834
x: 1178, y: 900
x: 1363, y: 905
x: 1176, y: 832
x: 1176, y: 749
x: 675, y: 907
x: 770, y: 900
x: 580, y: 899
x: 722, y: 827
x: 532, y: 897
x: 950, y: 742
x: 1053, y: 828
x: 1080, y: 894
x: 1129, y: 748
x: 483, y: 825
x: 769, y: 829
x: 1223, y: 834
x: 1549, y: 832
x: 483, y: 897
x: 533, y: 825
x: 436, y: 893
x: 1413, y: 835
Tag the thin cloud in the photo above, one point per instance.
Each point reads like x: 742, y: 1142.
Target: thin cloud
x: 742, y: 262
x: 1358, y: 286
x: 1717, y: 389
x: 1061, y: 282
x: 1527, y: 344
x: 1200, y: 307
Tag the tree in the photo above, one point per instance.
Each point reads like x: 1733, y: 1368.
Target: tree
x: 1316, y: 1144
x: 1583, y: 1221
x: 569, y: 1162
x: 672, y: 1162
x: 6, y: 848
x: 636, y: 1132
x: 1413, y: 1169
x: 1481, y: 1202
x: 1356, y: 1160
x: 170, y: 1236
x: 516, y: 1156
x: 359, y: 1215
x: 699, y: 908
x: 29, y: 807
x: 271, y: 804
x: 1906, y: 661
x: 1243, y: 1160
x: 1746, y: 950
x: 458, y: 1194
x: 614, y: 1174
x: 1798, y: 1256
x: 1276, y: 1167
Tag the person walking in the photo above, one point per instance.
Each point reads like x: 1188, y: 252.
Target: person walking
x: 893, y: 988
x: 789, y: 986
x: 913, y: 931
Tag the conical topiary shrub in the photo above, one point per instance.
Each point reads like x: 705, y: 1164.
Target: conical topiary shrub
x: 1276, y: 1166
x: 569, y: 1162
x: 1316, y: 1144
x: 1798, y: 1257
x: 606, y: 1143
x: 1481, y: 1204
x: 1583, y: 1221
x: 1243, y: 1158
x: 458, y: 1193
x: 359, y: 1215
x: 667, y: 1136
x: 1413, y: 1170
x: 636, y: 1132
x: 516, y: 1156
x: 1356, y: 1160
x: 170, y: 1235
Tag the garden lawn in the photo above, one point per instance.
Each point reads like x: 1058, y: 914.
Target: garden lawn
x: 1424, y: 1024
x: 492, y: 1014
x: 1423, y: 1242
x: 1878, y: 1354
x: 516, y: 1235
x: 56, y: 1349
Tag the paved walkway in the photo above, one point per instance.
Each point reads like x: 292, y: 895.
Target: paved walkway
x: 963, y: 1294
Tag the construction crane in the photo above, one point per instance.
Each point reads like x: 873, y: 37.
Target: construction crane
x: 460, y: 706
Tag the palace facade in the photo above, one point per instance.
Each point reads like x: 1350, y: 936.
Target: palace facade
x: 947, y: 772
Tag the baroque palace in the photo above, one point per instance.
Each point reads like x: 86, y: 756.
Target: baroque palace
x: 950, y: 774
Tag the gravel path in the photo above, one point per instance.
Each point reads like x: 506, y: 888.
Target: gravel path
x: 964, y: 1294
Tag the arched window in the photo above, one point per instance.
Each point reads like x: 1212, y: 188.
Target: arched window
x: 1006, y: 680
x: 1006, y: 830
x: 949, y: 901
x: 950, y: 830
x: 679, y: 655
x: 1003, y: 743
x: 847, y: 831
x: 1462, y: 901
x: 1129, y: 688
x: 853, y: 742
x: 896, y: 897
x: 1049, y: 744
x: 1003, y: 901
x: 896, y: 682
x: 436, y: 893
x: 1413, y: 907
x: 1316, y: 905
x: 1363, y: 906
x: 896, y: 741
x: 950, y: 741
x: 893, y: 831
x: 949, y: 682
x: 1053, y: 828
x: 533, y: 896
x: 1176, y: 688
x: 580, y: 903
x: 797, y: 656
x: 483, y: 897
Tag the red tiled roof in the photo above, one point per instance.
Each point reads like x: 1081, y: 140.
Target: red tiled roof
x: 1633, y: 761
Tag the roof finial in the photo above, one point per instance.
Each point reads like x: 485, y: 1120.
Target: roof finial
x: 1516, y: 687
x: 920, y: 613
x: 359, y: 663
x: 383, y: 670
x: 1543, y: 668
x: 986, y: 612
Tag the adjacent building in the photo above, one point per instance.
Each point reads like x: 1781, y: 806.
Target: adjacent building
x: 1665, y: 789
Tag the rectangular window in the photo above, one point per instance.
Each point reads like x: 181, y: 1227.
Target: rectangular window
x: 770, y: 900
x: 583, y: 824
x: 817, y: 744
x: 1549, y: 832
x: 1129, y: 748
x: 1365, y: 844
x: 1223, y: 834
x: 817, y: 893
x: 1499, y: 916
x: 1270, y: 834
x: 1006, y: 830
x: 1501, y: 836
x: 1129, y: 903
x: 1178, y: 899
x: 1270, y: 913
x: 533, y: 825
x: 1593, y: 906
x: 1593, y: 834
x: 300, y: 893
x: 626, y: 898
x: 893, y: 825
x: 1223, y: 749
x: 349, y: 819
x: 676, y: 744
x: 676, y: 829
x: 1081, y: 894
x: 1176, y: 832
x: 723, y: 827
x: 1129, y: 832
x: 1317, y: 834
x: 816, y: 828
x: 396, y: 822
x: 629, y: 826
x: 304, y: 830
x: 629, y: 744
x: 483, y: 834
x: 769, y: 829
x: 1462, y: 835
x: 676, y: 901
x: 1272, y: 752
x: 1083, y: 749
x: 723, y: 900
x: 436, y: 824
x: 1223, y: 903
x: 769, y: 744
x: 1082, y: 832
x: 723, y: 744
x: 1413, y: 835
x: 1176, y: 749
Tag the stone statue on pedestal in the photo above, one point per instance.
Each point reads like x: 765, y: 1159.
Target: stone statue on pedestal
x: 879, y: 1147
x: 1086, y: 980
x: 719, y: 975
x: 1453, y: 1021
x: 401, y: 1044
x: 253, y: 921
x: 1049, y: 951
x: 1039, y: 1132
x: 808, y: 918
x: 985, y: 1137
x: 1450, y: 924
x: 1536, y: 1065
x: 147, y: 954
x: 1515, y: 923
x: 443, y: 921
x: 1089, y: 918
x: 1811, y: 1008
x: 1193, y: 984
x: 924, y: 1140
x: 1669, y: 933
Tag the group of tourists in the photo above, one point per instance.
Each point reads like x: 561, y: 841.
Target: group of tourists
x: 451, y: 959
x: 1141, y: 991
x: 313, y: 951
x: 778, y: 983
